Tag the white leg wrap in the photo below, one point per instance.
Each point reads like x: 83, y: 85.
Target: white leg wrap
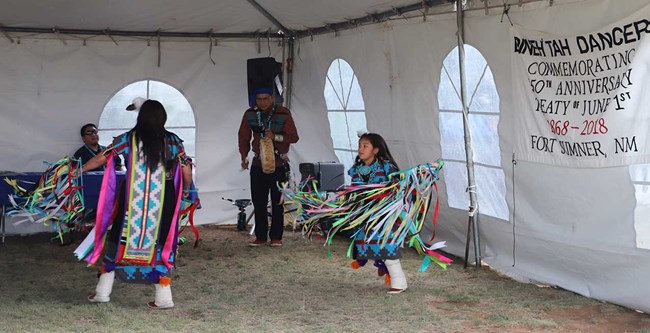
x: 397, y: 277
x: 104, y: 287
x: 164, y: 296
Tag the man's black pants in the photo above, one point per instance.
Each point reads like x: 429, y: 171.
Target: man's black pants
x: 261, y: 185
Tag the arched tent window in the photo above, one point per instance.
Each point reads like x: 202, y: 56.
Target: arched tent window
x: 116, y: 120
x: 346, y: 110
x: 640, y: 176
x: 483, y: 105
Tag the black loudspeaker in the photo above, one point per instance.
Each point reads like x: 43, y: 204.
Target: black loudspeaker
x: 264, y: 73
x: 308, y: 172
x: 329, y: 176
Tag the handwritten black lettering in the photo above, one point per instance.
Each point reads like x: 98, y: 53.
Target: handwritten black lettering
x: 602, y: 85
x: 625, y: 144
x: 581, y: 149
x: 602, y: 41
x: 542, y: 143
x: 552, y: 106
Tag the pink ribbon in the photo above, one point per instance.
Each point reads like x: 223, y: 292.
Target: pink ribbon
x: 104, y: 206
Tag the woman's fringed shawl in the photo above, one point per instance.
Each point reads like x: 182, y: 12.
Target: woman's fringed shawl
x: 172, y: 242
x: 141, y: 220
x: 186, y: 214
x: 393, y: 212
x: 105, y: 205
x: 56, y: 200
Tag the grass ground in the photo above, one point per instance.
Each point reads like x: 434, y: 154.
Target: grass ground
x: 225, y: 286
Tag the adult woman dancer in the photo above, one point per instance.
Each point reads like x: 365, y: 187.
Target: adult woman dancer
x: 141, y: 245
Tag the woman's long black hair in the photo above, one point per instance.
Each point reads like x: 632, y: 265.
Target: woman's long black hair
x: 378, y: 142
x: 150, y: 130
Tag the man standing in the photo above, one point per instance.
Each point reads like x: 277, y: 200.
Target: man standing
x: 91, y: 147
x: 270, y: 122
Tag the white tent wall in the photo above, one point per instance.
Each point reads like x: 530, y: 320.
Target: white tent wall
x: 396, y: 66
x: 574, y: 228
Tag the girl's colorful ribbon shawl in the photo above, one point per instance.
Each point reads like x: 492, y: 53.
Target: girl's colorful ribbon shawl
x: 393, y: 212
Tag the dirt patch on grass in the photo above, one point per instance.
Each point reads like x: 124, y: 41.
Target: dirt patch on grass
x: 601, y: 318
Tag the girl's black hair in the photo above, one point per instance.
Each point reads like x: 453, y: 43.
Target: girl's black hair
x: 150, y: 130
x: 378, y: 142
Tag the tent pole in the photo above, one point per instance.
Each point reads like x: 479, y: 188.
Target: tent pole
x: 289, y: 67
x: 468, y: 241
x: 271, y: 18
x: 284, y: 70
x: 469, y: 154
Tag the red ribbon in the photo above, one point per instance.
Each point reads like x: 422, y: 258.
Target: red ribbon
x: 435, y: 212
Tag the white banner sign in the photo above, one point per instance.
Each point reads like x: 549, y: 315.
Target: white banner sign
x: 584, y: 100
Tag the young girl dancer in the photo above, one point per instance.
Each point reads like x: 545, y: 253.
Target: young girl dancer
x: 373, y: 165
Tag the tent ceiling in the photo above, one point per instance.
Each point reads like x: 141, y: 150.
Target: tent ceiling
x: 197, y: 16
